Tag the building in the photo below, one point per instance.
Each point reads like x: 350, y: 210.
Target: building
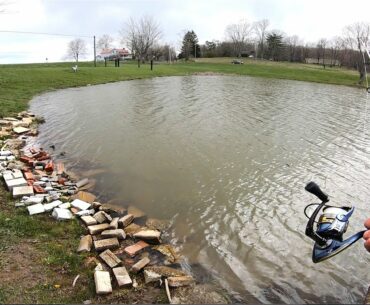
x: 112, y: 54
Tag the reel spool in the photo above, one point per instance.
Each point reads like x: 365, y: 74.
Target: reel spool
x: 332, y: 224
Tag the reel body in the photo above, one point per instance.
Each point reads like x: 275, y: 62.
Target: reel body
x: 332, y: 224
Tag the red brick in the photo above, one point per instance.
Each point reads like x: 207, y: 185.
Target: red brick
x: 28, y: 176
x: 60, y: 168
x: 49, y: 167
x: 135, y: 248
x: 26, y: 159
x: 38, y: 189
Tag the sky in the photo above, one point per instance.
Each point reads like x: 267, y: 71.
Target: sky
x: 310, y: 20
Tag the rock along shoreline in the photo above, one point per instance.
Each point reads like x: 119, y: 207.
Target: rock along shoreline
x: 124, y: 245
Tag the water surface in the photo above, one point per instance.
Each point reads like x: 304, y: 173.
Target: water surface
x: 226, y: 158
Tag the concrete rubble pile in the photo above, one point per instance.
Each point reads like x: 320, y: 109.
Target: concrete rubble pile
x: 123, y: 250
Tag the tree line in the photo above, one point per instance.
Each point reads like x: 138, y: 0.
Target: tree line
x: 242, y: 39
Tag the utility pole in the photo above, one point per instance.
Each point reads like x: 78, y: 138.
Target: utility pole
x: 94, y: 52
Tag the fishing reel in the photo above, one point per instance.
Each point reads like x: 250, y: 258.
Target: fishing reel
x: 332, y: 224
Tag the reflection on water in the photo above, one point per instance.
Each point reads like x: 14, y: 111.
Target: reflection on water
x: 226, y: 159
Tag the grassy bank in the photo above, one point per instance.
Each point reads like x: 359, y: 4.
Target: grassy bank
x: 19, y: 83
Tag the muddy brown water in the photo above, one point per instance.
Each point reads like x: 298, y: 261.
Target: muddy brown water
x: 225, y: 159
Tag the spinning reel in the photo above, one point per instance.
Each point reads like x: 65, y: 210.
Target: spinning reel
x: 331, y: 226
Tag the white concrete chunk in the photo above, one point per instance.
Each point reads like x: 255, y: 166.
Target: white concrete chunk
x: 102, y: 282
x: 15, y: 182
x: 96, y: 229
x: 65, y: 205
x: 33, y: 200
x: 5, y: 153
x: 52, y: 205
x: 85, y: 212
x: 79, y: 204
x: 19, y: 191
x: 82, y: 182
x: 20, y: 130
x: 151, y: 276
x: 62, y: 214
x: 36, y: 209
x: 122, y: 276
x: 119, y: 233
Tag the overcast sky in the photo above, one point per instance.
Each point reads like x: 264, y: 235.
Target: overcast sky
x: 310, y: 20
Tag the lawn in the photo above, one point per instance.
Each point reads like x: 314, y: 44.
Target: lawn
x: 19, y: 83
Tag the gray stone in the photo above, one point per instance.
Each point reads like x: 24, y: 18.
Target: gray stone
x: 125, y: 220
x: 20, y: 191
x: 119, y: 233
x: 149, y: 235
x: 89, y: 220
x: 85, y: 244
x: 140, y: 265
x: 122, y: 276
x: 101, y: 217
x: 85, y: 212
x: 114, y: 223
x: 20, y: 130
x: 110, y: 258
x: 36, y: 209
x: 102, y: 282
x: 96, y: 229
x: 103, y: 244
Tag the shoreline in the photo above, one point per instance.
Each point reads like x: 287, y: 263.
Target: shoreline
x: 158, y: 261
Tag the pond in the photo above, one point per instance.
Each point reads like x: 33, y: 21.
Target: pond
x: 225, y: 159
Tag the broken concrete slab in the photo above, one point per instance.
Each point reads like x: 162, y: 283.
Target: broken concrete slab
x: 102, y: 216
x: 151, y: 236
x: 125, y: 220
x: 20, y: 191
x: 79, y: 204
x: 11, y: 183
x: 166, y: 271
x: 132, y: 229
x: 89, y: 220
x: 20, y: 130
x: 85, y: 244
x: 180, y: 281
x: 110, y: 258
x: 65, y: 205
x: 119, y: 233
x: 114, y: 223
x: 102, y: 282
x: 96, y: 229
x: 151, y: 276
x: 52, y: 205
x: 135, y: 211
x: 136, y: 248
x: 62, y: 214
x: 82, y: 182
x: 114, y: 210
x: 122, y: 277
x: 85, y: 212
x: 85, y: 196
x: 34, y: 200
x: 103, y: 244
x: 140, y: 265
x: 36, y: 209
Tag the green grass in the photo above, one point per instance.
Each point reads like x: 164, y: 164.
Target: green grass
x: 19, y: 83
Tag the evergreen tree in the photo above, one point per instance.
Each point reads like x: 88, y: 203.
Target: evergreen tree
x: 190, y: 47
x: 275, y: 45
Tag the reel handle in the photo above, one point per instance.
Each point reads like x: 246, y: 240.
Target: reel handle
x: 314, y: 189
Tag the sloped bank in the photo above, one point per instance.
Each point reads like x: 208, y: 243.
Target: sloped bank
x: 122, y: 251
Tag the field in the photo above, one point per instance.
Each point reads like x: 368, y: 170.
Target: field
x: 19, y: 83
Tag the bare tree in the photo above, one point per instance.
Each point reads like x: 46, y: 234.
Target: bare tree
x: 140, y: 35
x: 239, y: 34
x: 292, y: 43
x: 260, y: 29
x: 105, y: 42
x: 76, y: 49
x: 355, y: 35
